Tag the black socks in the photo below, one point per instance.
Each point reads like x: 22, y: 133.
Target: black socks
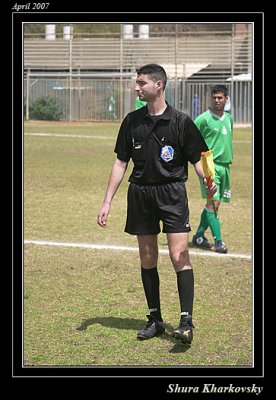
x: 185, y: 285
x: 150, y: 279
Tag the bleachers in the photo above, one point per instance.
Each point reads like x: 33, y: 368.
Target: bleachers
x: 213, y: 53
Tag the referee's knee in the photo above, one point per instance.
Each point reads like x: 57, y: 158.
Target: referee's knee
x: 181, y: 260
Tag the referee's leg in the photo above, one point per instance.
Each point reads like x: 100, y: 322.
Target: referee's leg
x: 179, y: 254
x: 148, y: 250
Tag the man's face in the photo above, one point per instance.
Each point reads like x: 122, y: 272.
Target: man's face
x: 218, y: 101
x: 146, y: 89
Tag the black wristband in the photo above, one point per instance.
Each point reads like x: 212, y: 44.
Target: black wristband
x: 204, y: 177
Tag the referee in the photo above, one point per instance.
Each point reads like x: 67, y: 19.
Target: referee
x: 161, y: 141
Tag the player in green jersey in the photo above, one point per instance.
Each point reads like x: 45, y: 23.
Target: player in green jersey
x: 216, y: 128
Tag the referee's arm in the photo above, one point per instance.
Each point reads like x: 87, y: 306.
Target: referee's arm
x: 117, y: 173
x: 211, y: 190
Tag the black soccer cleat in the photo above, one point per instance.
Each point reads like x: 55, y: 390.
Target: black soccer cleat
x: 184, y: 332
x: 220, y: 247
x: 153, y: 328
x: 201, y: 242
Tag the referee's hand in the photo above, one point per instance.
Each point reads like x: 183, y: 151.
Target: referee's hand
x: 103, y: 214
x: 211, y: 187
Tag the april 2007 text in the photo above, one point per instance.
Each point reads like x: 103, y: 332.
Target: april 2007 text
x: 30, y: 6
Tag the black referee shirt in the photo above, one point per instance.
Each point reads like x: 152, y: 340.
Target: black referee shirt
x: 160, y: 147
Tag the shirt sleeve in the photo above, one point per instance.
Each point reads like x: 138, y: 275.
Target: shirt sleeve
x: 123, y: 147
x: 192, y: 142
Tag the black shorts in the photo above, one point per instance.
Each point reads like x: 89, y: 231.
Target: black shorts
x: 150, y: 204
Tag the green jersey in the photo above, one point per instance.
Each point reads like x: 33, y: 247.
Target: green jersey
x: 139, y: 103
x: 217, y: 133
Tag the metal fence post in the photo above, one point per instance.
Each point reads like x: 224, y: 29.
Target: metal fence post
x: 27, y: 94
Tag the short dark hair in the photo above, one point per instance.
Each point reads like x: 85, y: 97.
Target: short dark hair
x: 155, y: 71
x: 220, y: 89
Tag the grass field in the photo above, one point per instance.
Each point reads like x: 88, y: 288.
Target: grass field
x: 83, y: 306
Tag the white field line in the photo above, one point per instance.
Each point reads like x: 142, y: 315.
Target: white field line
x: 70, y: 136
x: 97, y: 137
x: 127, y: 248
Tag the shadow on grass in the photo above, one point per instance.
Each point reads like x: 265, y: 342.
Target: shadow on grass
x: 134, y: 324
x: 113, y: 322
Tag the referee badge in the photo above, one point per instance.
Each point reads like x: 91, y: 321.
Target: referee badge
x: 167, y: 153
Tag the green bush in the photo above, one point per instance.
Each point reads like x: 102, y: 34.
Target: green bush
x: 45, y: 108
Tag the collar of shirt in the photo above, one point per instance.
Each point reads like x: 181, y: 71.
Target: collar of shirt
x: 215, y: 115
x: 166, y: 114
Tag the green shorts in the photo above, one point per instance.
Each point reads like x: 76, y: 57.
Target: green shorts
x: 222, y: 180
